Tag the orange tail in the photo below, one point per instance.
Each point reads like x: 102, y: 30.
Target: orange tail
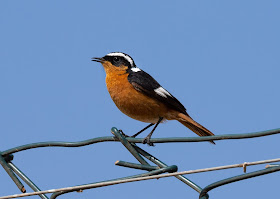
x: 200, y: 130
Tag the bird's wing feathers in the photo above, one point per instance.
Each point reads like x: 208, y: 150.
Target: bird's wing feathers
x: 146, y: 84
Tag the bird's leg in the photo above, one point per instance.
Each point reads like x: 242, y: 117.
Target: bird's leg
x: 147, y: 139
x: 136, y: 134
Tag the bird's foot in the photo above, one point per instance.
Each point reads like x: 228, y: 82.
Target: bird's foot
x: 121, y: 131
x: 147, y: 141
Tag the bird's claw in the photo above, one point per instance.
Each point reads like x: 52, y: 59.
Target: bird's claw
x: 148, y: 142
x: 145, y: 141
x: 121, y: 131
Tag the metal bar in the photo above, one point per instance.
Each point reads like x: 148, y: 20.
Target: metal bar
x: 140, y: 140
x: 108, y: 183
x: 59, y: 144
x: 135, y: 166
x: 161, y: 164
x: 128, y: 146
x: 272, y: 165
x: 11, y: 174
x: 8, y: 158
x: 204, y: 195
x: 26, y: 179
x: 170, y: 169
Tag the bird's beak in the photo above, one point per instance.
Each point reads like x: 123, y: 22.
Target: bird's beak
x: 97, y: 59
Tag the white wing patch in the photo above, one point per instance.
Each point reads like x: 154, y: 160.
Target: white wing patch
x: 135, y: 69
x: 128, y: 58
x: 162, y: 92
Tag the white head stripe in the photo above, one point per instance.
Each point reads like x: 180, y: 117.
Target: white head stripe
x: 135, y: 69
x: 162, y: 92
x: 122, y: 55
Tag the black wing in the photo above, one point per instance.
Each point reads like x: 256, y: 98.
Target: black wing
x: 146, y: 84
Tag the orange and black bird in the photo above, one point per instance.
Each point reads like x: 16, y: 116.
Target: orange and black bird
x: 141, y: 97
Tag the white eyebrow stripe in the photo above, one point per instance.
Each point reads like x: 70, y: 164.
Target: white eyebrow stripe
x: 122, y: 55
x: 135, y: 69
x: 162, y: 92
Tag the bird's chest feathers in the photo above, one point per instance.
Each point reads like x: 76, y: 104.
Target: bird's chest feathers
x: 119, y: 87
x: 132, y: 102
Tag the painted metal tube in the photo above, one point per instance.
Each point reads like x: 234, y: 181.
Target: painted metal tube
x: 136, y: 166
x: 204, y: 195
x: 172, y: 168
x: 161, y: 164
x: 128, y: 146
x: 10, y: 172
x: 26, y: 179
x: 140, y: 140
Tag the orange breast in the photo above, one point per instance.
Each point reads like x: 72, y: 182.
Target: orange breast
x: 132, y: 102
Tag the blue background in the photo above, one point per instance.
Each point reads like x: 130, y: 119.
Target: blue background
x: 219, y: 58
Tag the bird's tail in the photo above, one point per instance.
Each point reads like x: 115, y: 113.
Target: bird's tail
x: 197, y: 128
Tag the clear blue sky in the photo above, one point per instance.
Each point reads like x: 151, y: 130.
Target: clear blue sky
x: 219, y: 58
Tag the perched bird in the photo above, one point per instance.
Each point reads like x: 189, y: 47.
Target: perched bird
x: 141, y: 97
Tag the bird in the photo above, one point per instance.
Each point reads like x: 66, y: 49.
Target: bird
x: 139, y: 96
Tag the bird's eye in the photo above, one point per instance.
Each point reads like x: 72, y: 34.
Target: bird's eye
x: 116, y: 59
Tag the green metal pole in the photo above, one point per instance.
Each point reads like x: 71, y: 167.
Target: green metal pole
x: 136, y: 166
x: 140, y: 140
x: 11, y: 174
x: 204, y: 195
x: 170, y: 169
x: 26, y: 179
x: 129, y: 147
x: 162, y: 165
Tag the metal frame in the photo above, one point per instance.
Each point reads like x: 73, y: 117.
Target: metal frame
x: 6, y: 158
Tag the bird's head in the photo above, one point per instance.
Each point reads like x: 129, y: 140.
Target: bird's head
x: 116, y: 62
